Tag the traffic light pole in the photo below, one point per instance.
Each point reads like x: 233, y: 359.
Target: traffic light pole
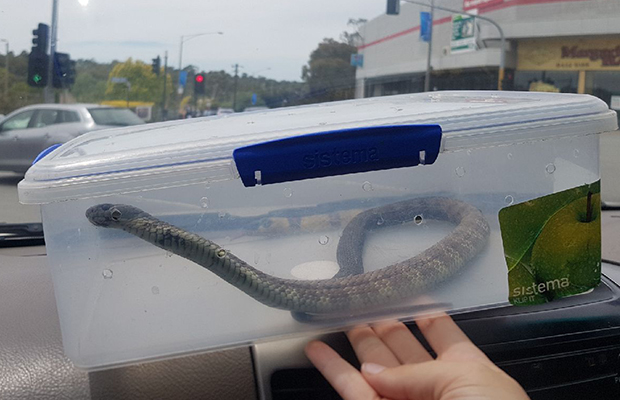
x: 427, y: 77
x: 48, y: 92
x: 6, y: 77
x: 235, y: 85
x: 164, y: 111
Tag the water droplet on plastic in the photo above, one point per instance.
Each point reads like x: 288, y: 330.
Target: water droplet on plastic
x: 380, y: 221
x: 207, y: 185
x: 221, y: 253
x: 367, y: 186
x: 204, y: 202
x: 509, y: 200
x: 324, y: 240
x: 469, y: 152
x: 550, y: 168
x: 576, y: 153
x: 155, y: 290
x: 169, y: 254
x: 509, y: 155
x: 288, y: 192
x: 107, y: 274
x: 418, y: 219
x: 256, y: 258
x: 460, y: 172
x: 221, y: 215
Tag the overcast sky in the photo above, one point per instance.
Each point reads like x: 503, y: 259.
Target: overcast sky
x: 272, y: 38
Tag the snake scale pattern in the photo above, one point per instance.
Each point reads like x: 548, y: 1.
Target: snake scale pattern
x: 351, y: 289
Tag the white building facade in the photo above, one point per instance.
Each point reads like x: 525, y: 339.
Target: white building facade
x: 570, y: 46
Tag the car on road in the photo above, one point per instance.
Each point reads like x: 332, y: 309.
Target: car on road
x: 28, y: 131
x: 224, y: 111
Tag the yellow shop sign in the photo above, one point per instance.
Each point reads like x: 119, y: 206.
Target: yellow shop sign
x: 569, y: 54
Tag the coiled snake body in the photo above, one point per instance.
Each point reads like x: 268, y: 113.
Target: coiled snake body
x: 351, y: 289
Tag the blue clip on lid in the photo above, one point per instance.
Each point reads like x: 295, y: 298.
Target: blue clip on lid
x: 338, y: 152
x: 46, y: 152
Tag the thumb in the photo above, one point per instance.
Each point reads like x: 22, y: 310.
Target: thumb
x: 412, y: 381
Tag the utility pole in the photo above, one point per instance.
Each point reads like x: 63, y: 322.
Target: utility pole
x: 427, y: 79
x: 235, y: 87
x: 164, y: 111
x: 6, y: 77
x: 48, y: 92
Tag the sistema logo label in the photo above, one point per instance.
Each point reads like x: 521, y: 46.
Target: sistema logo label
x: 335, y: 157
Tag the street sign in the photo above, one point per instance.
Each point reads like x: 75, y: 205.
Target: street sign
x: 357, y: 60
x: 464, y: 33
x: 425, y: 26
x: 182, y: 78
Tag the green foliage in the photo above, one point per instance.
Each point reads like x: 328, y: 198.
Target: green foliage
x: 88, y: 89
x: 329, y: 73
x: 19, y: 93
x: 144, y: 83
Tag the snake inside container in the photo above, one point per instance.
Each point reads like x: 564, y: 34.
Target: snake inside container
x: 351, y: 290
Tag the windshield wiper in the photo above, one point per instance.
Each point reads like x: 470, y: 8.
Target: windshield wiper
x: 13, y: 235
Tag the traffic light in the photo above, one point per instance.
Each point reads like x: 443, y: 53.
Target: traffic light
x: 199, y: 84
x: 393, y: 7
x: 39, y: 42
x: 38, y: 60
x: 38, y: 64
x: 156, y: 65
x: 63, y: 75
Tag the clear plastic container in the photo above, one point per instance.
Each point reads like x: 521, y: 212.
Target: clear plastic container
x: 122, y: 299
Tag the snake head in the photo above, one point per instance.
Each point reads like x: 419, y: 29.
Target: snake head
x: 112, y: 215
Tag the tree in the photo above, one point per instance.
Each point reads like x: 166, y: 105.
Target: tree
x: 354, y: 38
x: 19, y: 93
x: 145, y: 85
x: 329, y: 73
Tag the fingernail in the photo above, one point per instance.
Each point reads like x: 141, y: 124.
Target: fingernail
x: 372, y: 369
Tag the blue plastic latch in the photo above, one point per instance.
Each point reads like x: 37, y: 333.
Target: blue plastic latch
x: 338, y: 152
x: 46, y: 152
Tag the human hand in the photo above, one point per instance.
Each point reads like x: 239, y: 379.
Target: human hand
x: 396, y: 366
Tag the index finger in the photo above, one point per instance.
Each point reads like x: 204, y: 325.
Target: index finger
x: 348, y: 381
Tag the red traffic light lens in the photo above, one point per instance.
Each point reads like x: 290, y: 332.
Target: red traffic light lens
x: 200, y: 78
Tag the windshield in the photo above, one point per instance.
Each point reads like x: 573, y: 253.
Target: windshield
x: 115, y: 117
x: 131, y: 62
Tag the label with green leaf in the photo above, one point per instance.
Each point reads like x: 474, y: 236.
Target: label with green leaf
x: 553, y: 245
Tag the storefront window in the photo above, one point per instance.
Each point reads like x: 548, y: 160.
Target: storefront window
x: 547, y: 81
x: 394, y: 85
x: 481, y: 79
x: 603, y: 84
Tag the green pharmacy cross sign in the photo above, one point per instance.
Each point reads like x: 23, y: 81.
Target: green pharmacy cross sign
x: 37, y: 78
x: 464, y: 33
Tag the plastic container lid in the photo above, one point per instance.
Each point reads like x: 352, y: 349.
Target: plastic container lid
x: 178, y: 153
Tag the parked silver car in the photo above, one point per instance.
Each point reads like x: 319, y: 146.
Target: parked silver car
x: 28, y: 131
